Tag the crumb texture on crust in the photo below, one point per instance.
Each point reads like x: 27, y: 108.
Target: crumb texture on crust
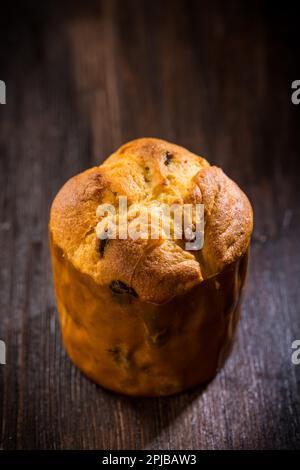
x: 144, y: 170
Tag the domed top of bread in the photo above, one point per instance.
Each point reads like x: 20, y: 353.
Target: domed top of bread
x: 145, y: 170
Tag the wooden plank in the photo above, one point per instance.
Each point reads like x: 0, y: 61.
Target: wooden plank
x: 85, y: 77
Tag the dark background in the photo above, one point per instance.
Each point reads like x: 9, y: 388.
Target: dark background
x: 84, y: 77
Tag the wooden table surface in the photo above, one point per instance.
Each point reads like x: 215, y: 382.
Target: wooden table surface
x: 83, y: 78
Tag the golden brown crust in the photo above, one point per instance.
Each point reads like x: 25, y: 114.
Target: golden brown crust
x: 148, y: 169
x: 147, y: 317
x: 228, y: 220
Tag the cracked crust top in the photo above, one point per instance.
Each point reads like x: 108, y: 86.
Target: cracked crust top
x: 143, y: 170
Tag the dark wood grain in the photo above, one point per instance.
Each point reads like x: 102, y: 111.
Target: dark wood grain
x: 84, y: 77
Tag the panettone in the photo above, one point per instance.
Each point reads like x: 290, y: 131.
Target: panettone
x: 148, y: 317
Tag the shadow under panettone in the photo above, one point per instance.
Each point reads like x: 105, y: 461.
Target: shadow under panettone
x: 149, y: 432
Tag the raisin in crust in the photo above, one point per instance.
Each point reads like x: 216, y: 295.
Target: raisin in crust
x: 147, y: 317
